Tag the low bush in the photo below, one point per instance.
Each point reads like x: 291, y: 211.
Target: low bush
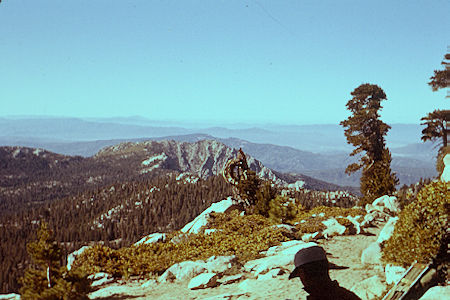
x: 242, y: 236
x: 420, y: 232
x: 311, y: 221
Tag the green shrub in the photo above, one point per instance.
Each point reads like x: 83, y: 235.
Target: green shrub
x: 311, y: 221
x: 420, y: 233
x: 282, y: 210
x: 242, y: 236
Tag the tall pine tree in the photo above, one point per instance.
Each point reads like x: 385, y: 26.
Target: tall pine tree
x: 365, y: 131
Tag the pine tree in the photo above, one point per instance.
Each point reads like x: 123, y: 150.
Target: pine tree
x: 437, y: 121
x: 48, y: 280
x: 436, y: 124
x: 441, y: 78
x: 365, y: 131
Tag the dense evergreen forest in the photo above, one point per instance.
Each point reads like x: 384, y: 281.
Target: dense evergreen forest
x: 117, y: 215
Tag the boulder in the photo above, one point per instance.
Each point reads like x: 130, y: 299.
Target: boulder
x: 152, y: 238
x: 202, y: 219
x: 230, y: 279
x: 333, y: 228
x: 219, y: 264
x: 387, y: 230
x: 100, y: 278
x: 437, y: 292
x: 203, y: 281
x: 355, y: 223
x: 72, y: 256
x: 393, y: 273
x: 10, y: 296
x: 445, y: 176
x: 308, y: 237
x: 369, y: 289
x: 372, y: 254
x: 368, y: 219
x: 277, y: 257
x: 387, y: 204
x: 185, y: 270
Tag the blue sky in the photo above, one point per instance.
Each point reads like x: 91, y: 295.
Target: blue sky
x: 287, y: 62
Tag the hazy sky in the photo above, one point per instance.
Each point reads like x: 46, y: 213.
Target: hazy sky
x: 251, y: 61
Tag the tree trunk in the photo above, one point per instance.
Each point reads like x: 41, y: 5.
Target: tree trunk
x: 49, y: 276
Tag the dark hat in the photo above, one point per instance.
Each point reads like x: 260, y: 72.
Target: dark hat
x: 306, y: 256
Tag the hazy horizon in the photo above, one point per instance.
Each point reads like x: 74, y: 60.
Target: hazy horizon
x: 139, y: 119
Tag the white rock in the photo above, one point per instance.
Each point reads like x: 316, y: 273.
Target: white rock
x: 279, y: 258
x: 149, y: 283
x: 445, y: 177
x: 72, y: 256
x: 355, y: 223
x: 203, y: 281
x: 10, y: 296
x: 219, y: 264
x: 230, y: 279
x: 152, y: 238
x: 393, y: 273
x: 333, y: 228
x: 180, y: 238
x: 284, y: 226
x: 271, y: 274
x: 369, y: 288
x: 387, y: 230
x: 100, y: 278
x: 368, y: 219
x: 182, y: 271
x: 372, y: 254
x: 437, y: 292
x: 389, y: 203
x: 209, y: 231
x: 308, y: 237
x: 284, y: 245
x: 202, y: 219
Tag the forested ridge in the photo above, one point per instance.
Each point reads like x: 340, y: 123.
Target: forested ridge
x: 103, y: 199
x: 116, y: 215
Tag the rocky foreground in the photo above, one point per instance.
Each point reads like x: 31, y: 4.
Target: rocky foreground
x: 356, y: 260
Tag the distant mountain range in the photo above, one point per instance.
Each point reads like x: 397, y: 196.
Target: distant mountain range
x: 323, y: 155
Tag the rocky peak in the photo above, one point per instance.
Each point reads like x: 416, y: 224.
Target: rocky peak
x: 203, y: 158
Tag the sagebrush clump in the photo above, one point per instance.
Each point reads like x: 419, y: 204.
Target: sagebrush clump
x: 420, y: 233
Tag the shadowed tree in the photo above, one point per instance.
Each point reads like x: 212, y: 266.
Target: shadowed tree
x: 441, y: 78
x: 365, y: 131
x: 437, y: 121
x: 436, y: 128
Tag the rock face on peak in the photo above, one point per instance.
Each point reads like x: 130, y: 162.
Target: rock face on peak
x: 203, y: 158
